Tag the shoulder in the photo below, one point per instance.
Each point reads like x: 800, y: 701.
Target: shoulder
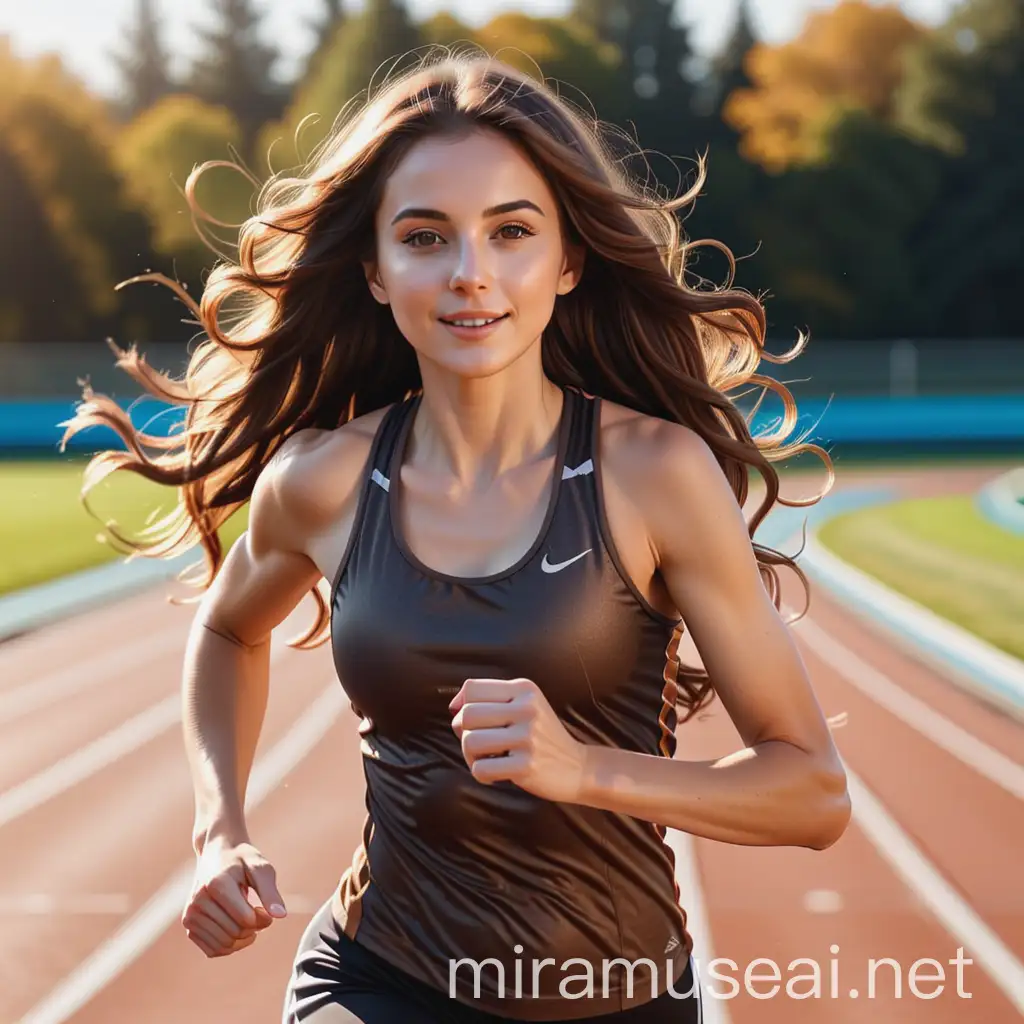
x: 656, y: 451
x: 672, y: 476
x: 315, y: 474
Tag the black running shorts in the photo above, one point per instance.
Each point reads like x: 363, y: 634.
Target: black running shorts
x: 336, y: 980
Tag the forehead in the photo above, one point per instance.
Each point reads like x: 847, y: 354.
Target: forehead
x: 464, y: 175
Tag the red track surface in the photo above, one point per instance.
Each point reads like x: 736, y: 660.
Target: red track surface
x: 82, y: 862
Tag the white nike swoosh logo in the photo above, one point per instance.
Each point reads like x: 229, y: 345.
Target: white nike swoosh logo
x: 558, y: 566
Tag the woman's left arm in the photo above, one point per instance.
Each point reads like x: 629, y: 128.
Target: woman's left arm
x: 787, y: 786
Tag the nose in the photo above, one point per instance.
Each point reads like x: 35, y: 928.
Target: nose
x: 472, y: 270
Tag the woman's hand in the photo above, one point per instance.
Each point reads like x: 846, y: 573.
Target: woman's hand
x: 510, y: 732
x: 218, y: 917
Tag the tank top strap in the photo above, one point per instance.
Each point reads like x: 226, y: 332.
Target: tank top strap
x: 373, y: 492
x: 579, y: 451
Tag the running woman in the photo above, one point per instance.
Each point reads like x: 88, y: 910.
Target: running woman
x: 467, y: 388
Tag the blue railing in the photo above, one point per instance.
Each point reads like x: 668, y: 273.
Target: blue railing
x: 931, y: 419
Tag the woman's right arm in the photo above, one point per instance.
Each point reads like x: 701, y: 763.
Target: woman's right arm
x: 227, y: 660
x: 224, y: 693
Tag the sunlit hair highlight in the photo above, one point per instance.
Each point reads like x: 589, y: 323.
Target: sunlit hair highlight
x: 306, y: 346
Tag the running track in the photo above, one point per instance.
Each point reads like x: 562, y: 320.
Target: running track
x: 96, y: 813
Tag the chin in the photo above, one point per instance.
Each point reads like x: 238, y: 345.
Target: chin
x: 477, y: 361
x: 477, y: 365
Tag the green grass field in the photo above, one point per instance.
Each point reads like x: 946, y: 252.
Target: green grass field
x: 942, y: 553
x: 45, y: 532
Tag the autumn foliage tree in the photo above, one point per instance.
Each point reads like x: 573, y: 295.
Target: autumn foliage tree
x: 56, y: 139
x: 155, y: 155
x: 847, y: 58
x: 360, y: 50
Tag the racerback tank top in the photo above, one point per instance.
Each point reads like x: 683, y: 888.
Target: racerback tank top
x: 450, y: 868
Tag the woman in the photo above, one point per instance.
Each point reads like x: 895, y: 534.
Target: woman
x: 471, y: 390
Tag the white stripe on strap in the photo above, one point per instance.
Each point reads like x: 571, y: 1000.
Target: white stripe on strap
x: 378, y: 478
x: 581, y: 470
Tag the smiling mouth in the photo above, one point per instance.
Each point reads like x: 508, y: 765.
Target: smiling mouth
x: 474, y: 321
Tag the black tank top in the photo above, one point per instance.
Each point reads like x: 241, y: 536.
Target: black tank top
x: 450, y: 868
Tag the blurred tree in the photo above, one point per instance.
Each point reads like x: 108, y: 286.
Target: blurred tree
x: 735, y: 187
x: 964, y: 95
x: 34, y: 272
x: 654, y: 93
x: 582, y: 68
x: 144, y: 64
x: 850, y: 55
x: 444, y: 29
x: 59, y: 139
x: 656, y: 52
x: 364, y: 47
x: 324, y: 28
x: 727, y: 71
x: 157, y: 152
x: 842, y: 236
x: 235, y: 70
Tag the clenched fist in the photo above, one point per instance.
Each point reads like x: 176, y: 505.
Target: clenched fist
x: 218, y: 917
x: 510, y: 732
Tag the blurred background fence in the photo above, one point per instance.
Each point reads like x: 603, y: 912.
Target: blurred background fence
x: 956, y: 394
x: 869, y: 366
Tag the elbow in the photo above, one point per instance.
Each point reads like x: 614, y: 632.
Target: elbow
x: 832, y: 808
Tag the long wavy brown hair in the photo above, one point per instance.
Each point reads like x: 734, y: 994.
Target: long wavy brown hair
x: 307, y: 345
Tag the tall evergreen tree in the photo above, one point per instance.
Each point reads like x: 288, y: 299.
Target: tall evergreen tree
x: 656, y: 51
x: 31, y: 275
x: 144, y: 64
x: 727, y: 71
x: 964, y: 94
x: 235, y: 69
x: 324, y: 28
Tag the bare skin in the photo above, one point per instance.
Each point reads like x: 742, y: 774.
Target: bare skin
x: 474, y: 488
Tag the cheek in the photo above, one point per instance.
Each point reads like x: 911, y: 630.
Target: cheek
x: 538, y: 268
x: 532, y: 283
x: 412, y: 286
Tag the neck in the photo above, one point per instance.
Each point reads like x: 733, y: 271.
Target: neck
x: 475, y: 429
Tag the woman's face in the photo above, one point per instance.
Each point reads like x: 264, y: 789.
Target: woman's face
x: 468, y: 230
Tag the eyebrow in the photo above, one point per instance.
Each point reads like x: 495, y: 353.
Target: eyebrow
x: 425, y: 213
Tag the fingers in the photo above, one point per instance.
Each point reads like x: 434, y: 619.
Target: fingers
x: 489, y: 690
x: 219, y: 918
x: 213, y: 948
x: 490, y: 716
x: 263, y: 919
x: 509, y: 768
x: 491, y: 742
x: 226, y: 891
x: 263, y: 878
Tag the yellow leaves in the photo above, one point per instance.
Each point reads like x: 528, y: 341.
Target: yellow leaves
x: 563, y: 48
x: 515, y: 31
x: 156, y: 153
x: 848, y: 57
x: 60, y: 136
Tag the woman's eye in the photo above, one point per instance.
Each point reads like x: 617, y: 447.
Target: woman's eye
x: 425, y: 237
x: 526, y: 232
x: 416, y: 237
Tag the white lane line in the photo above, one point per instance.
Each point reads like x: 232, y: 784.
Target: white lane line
x: 40, y: 693
x: 713, y: 1008
x: 991, y: 673
x: 921, y: 877
x: 967, y: 748
x: 99, y: 754
x: 89, y: 760
x: 78, y: 904
x: 164, y: 908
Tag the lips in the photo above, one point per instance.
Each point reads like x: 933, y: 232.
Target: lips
x: 473, y: 320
